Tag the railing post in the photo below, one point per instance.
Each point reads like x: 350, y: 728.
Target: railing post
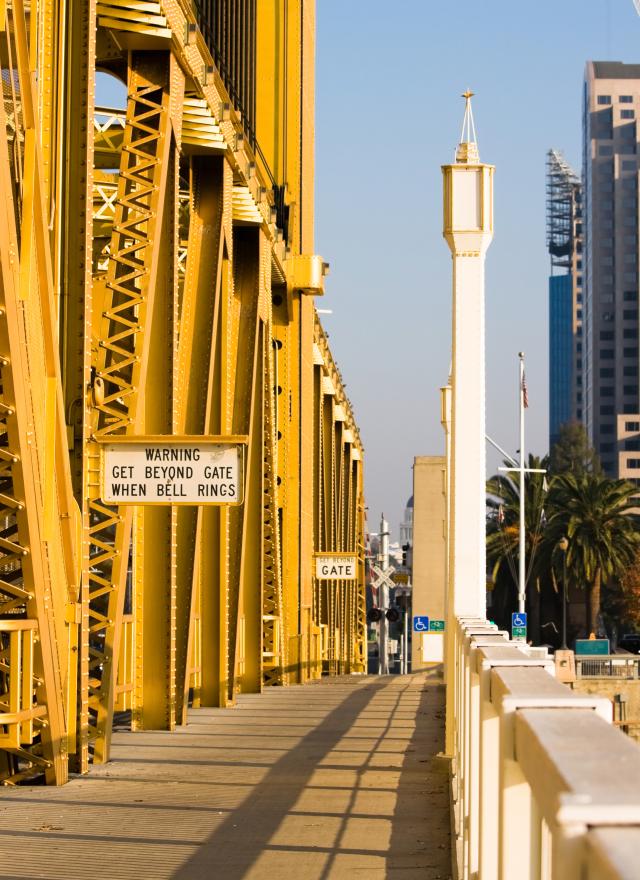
x: 492, y: 655
x: 469, y: 737
x: 489, y: 799
x: 474, y: 764
x: 469, y: 767
x: 514, y: 811
x: 460, y: 717
x: 567, y: 847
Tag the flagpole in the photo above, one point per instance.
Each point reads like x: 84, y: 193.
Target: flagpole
x: 521, y: 559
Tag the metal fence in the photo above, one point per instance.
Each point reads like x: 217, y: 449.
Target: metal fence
x: 229, y: 30
x: 610, y: 666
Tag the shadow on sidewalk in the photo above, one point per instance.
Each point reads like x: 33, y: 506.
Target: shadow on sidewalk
x: 238, y: 842
x: 420, y: 845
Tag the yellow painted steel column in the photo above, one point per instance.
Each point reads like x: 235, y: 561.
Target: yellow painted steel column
x: 125, y: 304
x: 285, y: 57
x: 246, y: 544
x: 306, y: 507
x: 39, y: 584
x: 197, y: 342
x: 72, y: 193
x: 213, y: 555
x: 248, y: 658
x: 154, y: 549
x: 276, y: 658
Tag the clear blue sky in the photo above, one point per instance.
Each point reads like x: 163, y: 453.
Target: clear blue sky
x: 388, y: 114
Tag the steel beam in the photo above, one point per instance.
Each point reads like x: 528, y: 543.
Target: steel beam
x: 197, y: 344
x: 122, y: 359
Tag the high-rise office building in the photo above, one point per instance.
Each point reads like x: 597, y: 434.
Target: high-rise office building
x: 610, y: 180
x: 564, y: 243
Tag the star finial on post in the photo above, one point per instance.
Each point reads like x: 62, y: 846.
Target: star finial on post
x: 467, y: 151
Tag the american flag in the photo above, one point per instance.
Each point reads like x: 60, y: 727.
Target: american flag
x: 525, y: 397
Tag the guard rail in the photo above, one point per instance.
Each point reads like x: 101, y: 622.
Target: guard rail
x: 608, y: 666
x: 543, y: 784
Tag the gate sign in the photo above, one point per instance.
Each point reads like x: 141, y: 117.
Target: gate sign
x: 167, y: 470
x: 336, y: 566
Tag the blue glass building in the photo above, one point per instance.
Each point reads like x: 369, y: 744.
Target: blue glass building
x: 564, y: 243
x: 561, y: 409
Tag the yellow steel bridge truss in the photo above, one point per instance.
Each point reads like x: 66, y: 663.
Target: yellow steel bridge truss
x: 158, y: 277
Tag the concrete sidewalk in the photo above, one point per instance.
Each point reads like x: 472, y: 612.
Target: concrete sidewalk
x: 335, y: 779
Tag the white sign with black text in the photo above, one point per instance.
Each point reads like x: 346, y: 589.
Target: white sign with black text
x: 332, y: 566
x: 168, y: 472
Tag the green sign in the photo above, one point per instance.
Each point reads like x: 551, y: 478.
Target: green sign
x: 436, y: 626
x: 592, y: 646
x: 519, y: 632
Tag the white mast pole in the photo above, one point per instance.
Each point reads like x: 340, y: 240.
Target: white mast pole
x: 522, y: 536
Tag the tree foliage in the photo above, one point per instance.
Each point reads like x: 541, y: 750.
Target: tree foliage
x: 623, y: 601
x: 572, y: 453
x: 503, y: 532
x: 591, y: 511
x: 503, y: 536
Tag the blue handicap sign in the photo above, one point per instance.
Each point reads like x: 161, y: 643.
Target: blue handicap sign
x: 420, y: 624
x: 518, y: 619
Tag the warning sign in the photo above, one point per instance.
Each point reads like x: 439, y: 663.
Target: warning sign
x: 166, y: 471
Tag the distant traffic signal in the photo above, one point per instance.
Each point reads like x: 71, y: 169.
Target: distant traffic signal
x: 374, y: 615
x: 392, y: 615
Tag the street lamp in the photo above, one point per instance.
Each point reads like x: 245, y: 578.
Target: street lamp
x: 563, y: 545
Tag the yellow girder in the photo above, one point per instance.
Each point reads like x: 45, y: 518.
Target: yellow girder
x: 158, y: 271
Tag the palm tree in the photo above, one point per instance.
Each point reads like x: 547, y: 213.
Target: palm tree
x: 503, y: 530
x: 592, y: 512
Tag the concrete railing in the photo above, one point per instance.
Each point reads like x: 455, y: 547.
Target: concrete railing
x: 543, y: 785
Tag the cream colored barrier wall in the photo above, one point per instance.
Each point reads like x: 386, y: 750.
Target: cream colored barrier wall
x: 543, y: 785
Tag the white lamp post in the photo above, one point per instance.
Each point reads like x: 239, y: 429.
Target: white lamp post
x: 468, y: 230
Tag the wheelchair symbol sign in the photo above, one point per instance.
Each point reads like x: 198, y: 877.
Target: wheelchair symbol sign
x: 519, y: 626
x: 420, y: 624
